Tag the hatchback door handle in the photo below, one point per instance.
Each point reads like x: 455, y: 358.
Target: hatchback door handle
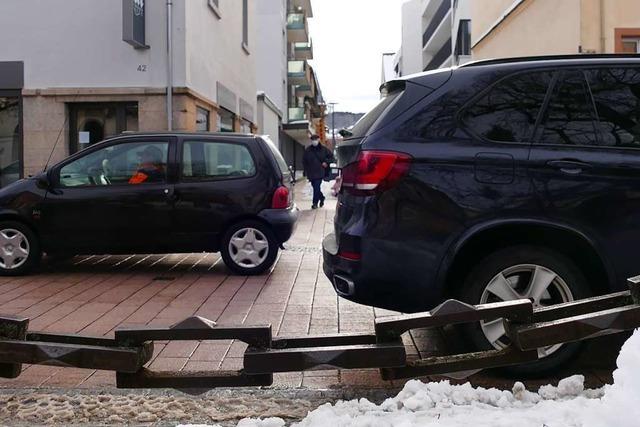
x: 570, y: 167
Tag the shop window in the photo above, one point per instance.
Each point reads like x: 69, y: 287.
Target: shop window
x: 202, y: 120
x: 245, y: 126
x: 10, y: 139
x: 226, y: 120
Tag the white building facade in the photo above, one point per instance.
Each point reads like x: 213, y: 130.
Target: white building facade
x: 68, y: 78
x: 289, y: 90
x: 435, y: 34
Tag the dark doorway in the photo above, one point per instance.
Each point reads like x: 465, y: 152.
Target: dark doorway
x: 92, y: 122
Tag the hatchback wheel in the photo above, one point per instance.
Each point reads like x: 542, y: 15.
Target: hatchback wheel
x: 19, y: 249
x: 524, y: 272
x: 249, y: 248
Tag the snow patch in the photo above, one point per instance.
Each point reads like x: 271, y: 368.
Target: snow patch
x: 444, y: 405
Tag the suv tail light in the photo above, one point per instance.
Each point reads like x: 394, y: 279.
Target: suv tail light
x: 374, y: 172
x: 281, y: 198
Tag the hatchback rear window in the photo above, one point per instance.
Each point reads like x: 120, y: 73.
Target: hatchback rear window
x: 282, y: 164
x: 361, y: 128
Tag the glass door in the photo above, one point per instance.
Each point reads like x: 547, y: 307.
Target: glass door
x: 10, y: 138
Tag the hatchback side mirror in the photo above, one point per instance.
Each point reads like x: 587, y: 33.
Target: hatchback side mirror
x: 43, y: 182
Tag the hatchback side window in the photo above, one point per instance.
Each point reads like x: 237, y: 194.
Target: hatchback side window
x: 509, y: 111
x: 616, y: 93
x: 570, y: 116
x: 129, y: 163
x: 215, y: 160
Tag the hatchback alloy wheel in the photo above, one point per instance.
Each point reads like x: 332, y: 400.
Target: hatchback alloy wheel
x: 14, y: 249
x: 539, y: 284
x: 249, y: 247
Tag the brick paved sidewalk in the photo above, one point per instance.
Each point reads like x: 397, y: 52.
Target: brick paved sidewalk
x: 94, y: 295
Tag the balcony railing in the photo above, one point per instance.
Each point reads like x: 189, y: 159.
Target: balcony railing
x: 297, y: 114
x: 439, y: 58
x: 441, y: 12
x: 303, y: 50
x: 296, y: 21
x: 299, y: 73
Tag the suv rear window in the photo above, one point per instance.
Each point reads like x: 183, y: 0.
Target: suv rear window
x: 363, y: 125
x: 282, y: 164
x: 508, y: 112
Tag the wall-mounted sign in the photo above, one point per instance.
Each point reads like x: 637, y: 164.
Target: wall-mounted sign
x: 133, y: 23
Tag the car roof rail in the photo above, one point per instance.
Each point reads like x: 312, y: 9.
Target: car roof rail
x: 496, y: 61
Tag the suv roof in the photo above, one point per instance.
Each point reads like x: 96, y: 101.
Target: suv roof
x: 573, y: 58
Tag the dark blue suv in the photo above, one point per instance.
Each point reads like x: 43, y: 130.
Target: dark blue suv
x: 494, y: 181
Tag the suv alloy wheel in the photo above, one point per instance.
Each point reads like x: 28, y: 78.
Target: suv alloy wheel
x: 523, y: 272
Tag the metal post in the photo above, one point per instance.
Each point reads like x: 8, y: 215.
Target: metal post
x: 333, y: 122
x: 169, y: 65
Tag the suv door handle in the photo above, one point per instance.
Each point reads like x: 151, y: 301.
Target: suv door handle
x: 569, y: 167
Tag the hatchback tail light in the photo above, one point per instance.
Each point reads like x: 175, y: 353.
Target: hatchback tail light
x: 374, y: 172
x: 281, y: 198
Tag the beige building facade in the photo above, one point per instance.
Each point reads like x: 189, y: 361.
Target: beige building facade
x: 508, y: 28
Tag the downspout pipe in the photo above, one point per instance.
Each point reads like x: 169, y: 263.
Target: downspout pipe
x: 602, y: 23
x: 169, y: 65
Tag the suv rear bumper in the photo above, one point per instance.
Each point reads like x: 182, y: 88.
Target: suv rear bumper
x: 363, y: 282
x: 283, y: 221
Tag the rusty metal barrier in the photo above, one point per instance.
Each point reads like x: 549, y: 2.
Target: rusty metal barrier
x: 132, y: 348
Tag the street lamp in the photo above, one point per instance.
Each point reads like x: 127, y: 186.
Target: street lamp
x: 333, y: 122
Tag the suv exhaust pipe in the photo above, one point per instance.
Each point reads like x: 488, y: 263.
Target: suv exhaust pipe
x: 343, y: 286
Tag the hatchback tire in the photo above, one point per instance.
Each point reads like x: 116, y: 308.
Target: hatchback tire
x: 523, y: 272
x: 19, y: 249
x: 249, y: 248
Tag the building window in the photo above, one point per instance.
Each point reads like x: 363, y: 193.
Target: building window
x: 627, y: 40
x: 631, y: 45
x: 463, y: 41
x: 10, y: 138
x: 202, y: 120
x: 226, y: 120
x: 215, y: 6
x: 245, y: 25
x: 93, y: 122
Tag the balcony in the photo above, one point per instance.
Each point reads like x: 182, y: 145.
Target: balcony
x: 297, y: 27
x: 303, y: 6
x: 299, y: 73
x: 303, y: 51
x: 440, y: 15
x: 304, y: 90
x: 297, y: 114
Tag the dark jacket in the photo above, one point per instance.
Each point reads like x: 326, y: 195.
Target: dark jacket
x: 313, y: 159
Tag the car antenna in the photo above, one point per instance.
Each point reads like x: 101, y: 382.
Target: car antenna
x: 64, y: 125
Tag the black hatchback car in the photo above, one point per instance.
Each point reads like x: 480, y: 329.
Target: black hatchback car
x: 494, y: 181
x: 154, y: 193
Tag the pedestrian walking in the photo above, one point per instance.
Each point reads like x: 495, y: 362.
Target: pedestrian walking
x: 316, y: 161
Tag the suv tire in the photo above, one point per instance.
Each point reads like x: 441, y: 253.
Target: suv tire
x: 19, y: 249
x: 249, y: 248
x: 510, y: 272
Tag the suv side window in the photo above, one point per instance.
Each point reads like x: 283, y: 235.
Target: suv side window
x: 616, y: 93
x: 570, y: 117
x: 203, y: 160
x: 509, y: 111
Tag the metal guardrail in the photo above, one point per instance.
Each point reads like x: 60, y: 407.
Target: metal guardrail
x: 132, y: 348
